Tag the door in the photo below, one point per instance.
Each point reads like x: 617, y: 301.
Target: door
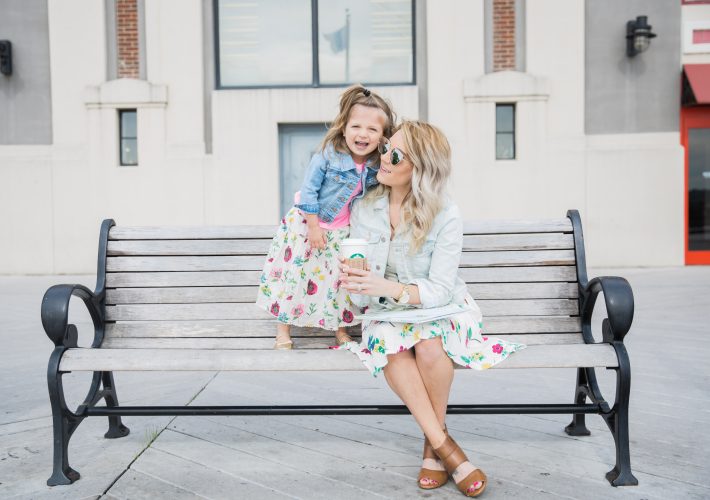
x: 695, y: 136
x: 297, y: 144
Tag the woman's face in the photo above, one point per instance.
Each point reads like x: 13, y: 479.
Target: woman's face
x: 399, y: 175
x: 364, y: 131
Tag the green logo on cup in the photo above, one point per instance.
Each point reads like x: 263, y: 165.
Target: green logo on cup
x: 357, y: 256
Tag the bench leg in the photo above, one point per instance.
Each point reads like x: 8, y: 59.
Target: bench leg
x: 116, y: 429
x: 618, y: 422
x: 64, y: 423
x: 578, y: 426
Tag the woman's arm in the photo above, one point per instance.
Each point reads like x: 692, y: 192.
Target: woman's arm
x: 363, y: 282
x: 437, y: 288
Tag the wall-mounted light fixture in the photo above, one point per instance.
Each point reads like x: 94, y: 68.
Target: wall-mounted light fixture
x: 638, y: 36
x: 5, y: 57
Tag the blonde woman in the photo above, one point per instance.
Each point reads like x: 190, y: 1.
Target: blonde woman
x: 415, y: 236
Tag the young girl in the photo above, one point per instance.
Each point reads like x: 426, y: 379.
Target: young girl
x: 299, y: 284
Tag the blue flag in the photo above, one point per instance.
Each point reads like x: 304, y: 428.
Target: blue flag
x: 338, y: 39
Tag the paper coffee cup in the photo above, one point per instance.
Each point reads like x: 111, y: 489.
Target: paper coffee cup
x: 354, y: 250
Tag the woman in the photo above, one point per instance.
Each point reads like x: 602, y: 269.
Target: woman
x: 415, y: 236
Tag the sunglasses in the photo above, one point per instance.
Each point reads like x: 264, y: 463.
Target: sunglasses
x: 396, y: 154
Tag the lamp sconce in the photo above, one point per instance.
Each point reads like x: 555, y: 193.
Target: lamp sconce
x: 638, y: 36
x: 5, y: 57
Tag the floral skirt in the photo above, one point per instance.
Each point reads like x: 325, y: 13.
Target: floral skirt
x: 301, y: 286
x: 460, y: 335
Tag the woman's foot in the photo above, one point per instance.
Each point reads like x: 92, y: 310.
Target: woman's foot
x: 283, y: 339
x: 432, y: 474
x: 470, y: 480
x: 341, y: 336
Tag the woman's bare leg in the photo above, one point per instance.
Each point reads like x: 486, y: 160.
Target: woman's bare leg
x: 403, y: 377
x: 437, y: 372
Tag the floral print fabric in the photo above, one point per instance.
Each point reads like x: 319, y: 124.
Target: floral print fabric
x: 300, y: 286
x: 460, y: 335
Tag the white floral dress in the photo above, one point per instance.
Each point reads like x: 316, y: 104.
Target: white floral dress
x: 300, y: 286
x: 460, y: 335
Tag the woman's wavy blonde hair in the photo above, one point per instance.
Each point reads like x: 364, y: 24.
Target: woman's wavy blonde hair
x: 428, y: 150
x: 357, y: 94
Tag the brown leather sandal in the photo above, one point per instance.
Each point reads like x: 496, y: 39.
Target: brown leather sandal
x: 283, y: 342
x: 451, y: 455
x: 437, y: 478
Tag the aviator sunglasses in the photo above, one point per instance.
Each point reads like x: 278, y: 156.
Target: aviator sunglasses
x: 396, y: 154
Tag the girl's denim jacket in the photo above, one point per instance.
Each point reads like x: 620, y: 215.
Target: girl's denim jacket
x: 330, y: 180
x: 433, y: 267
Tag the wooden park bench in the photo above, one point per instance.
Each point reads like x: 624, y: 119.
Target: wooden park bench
x: 182, y: 298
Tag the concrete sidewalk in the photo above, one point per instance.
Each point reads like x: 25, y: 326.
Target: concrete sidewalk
x: 365, y: 457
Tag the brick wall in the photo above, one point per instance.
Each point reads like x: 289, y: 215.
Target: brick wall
x: 127, y: 38
x: 503, y: 35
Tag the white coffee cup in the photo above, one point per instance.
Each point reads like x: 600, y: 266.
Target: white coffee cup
x: 354, y: 250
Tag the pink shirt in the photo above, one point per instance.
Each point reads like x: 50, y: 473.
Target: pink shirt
x: 342, y: 219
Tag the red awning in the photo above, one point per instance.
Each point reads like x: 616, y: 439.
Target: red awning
x: 698, y: 76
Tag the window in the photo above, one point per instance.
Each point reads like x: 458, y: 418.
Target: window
x: 297, y: 144
x: 128, y: 137
x: 505, y: 131
x: 307, y: 43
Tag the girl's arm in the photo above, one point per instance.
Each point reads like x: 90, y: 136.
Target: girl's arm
x: 316, y: 234
x: 311, y: 184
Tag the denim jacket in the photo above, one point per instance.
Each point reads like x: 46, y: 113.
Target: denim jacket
x: 330, y: 180
x: 433, y: 267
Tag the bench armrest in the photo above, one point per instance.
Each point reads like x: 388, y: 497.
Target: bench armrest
x: 619, y: 306
x: 55, y: 314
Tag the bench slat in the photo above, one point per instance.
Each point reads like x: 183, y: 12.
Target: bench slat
x: 518, y: 258
x: 508, y: 226
x: 529, y: 307
x: 191, y: 232
x: 175, y: 295
x: 532, y: 241
x: 518, y: 274
x: 267, y: 231
x: 190, y: 263
x: 321, y: 342
x: 134, y: 312
x: 189, y: 247
x: 261, y: 328
x: 86, y: 359
x: 475, y: 243
x: 204, y: 278
x: 255, y: 262
x: 238, y: 278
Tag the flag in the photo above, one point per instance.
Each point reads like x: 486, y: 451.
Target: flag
x: 338, y: 39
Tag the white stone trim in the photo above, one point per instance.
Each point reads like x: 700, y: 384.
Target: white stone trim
x: 506, y: 86
x: 126, y: 93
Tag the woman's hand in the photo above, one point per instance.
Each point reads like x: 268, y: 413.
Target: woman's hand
x: 316, y: 237
x: 363, y: 282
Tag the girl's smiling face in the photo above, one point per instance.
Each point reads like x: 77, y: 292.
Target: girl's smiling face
x: 363, y: 131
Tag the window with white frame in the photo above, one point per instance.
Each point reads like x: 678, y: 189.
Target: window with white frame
x: 307, y: 43
x: 128, y: 137
x: 505, y: 131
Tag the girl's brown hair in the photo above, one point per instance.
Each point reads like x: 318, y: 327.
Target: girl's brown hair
x: 357, y: 94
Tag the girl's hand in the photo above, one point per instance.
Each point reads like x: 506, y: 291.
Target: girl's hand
x: 316, y: 237
x: 363, y: 282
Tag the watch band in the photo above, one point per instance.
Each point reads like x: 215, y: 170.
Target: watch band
x: 403, y: 296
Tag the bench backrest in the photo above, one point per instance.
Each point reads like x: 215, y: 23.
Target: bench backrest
x: 195, y: 287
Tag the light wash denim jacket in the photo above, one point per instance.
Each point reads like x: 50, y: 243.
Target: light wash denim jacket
x: 433, y: 268
x: 330, y: 180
